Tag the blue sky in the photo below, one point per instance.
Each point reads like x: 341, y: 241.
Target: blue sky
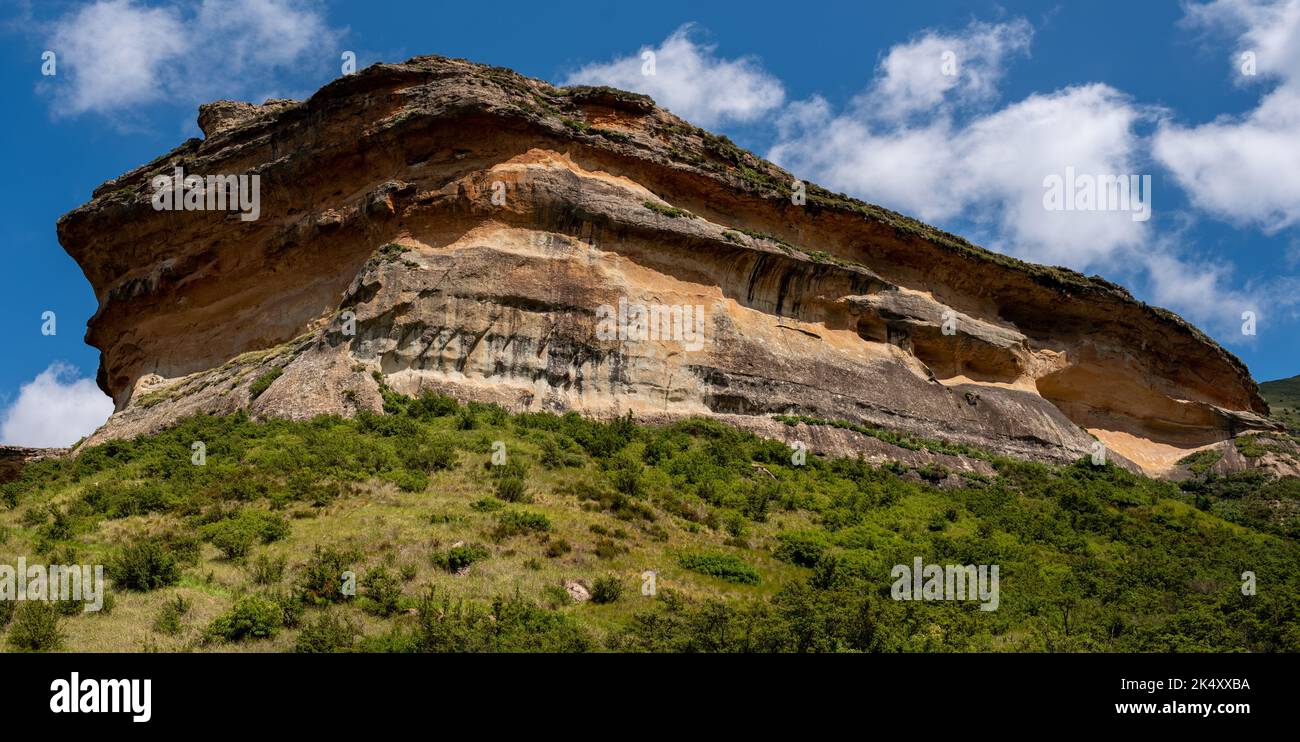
x: 850, y: 95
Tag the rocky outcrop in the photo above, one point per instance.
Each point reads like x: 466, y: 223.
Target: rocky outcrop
x: 216, y: 117
x: 441, y: 224
x: 1274, y: 455
x: 14, y: 458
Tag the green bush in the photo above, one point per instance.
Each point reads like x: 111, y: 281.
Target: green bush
x: 232, y: 537
x: 556, y: 456
x: 145, y: 565
x: 600, y: 439
x: 428, y: 455
x: 626, y: 475
x: 34, y: 517
x: 10, y: 493
x: 292, y: 605
x: 35, y: 627
x: 321, y: 581
x: 251, y: 617
x: 168, y: 620
x: 493, y: 414
x: 407, y: 480
x: 268, y: 570
x: 430, y: 404
x: 804, y: 548
x: 606, y: 590
x: 328, y: 633
x: 608, y: 548
x: 59, y: 528
x: 512, y: 489
x: 515, y: 468
x: 116, y: 499
x: 69, y: 607
x: 235, y: 536
x: 515, y: 522
x: 724, y: 566
x: 185, y: 548
x: 487, y: 505
x: 459, y: 557
x: 383, y: 592
x: 391, y: 425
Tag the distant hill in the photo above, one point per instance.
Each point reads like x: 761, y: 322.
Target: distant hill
x: 1283, y: 397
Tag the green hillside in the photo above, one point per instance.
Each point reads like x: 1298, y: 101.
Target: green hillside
x: 1283, y: 397
x: 751, y: 552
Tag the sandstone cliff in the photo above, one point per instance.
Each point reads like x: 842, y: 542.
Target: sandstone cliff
x: 475, y: 222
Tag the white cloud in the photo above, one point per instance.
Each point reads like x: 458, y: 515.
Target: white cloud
x: 112, y: 54
x: 55, y: 409
x: 691, y: 81
x: 1205, y: 293
x: 1007, y: 155
x: 937, y: 68
x: 1201, y: 291
x: 1267, y: 28
x: 117, y: 54
x: 1246, y: 168
x: 987, y: 168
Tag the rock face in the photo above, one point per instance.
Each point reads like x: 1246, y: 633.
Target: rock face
x: 441, y: 224
x: 14, y: 458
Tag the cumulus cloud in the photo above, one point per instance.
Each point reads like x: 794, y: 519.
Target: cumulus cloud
x: 1209, y: 294
x: 689, y: 79
x: 1202, y: 291
x: 117, y: 54
x: 55, y: 409
x: 937, y: 69
x: 909, y: 143
x: 1246, y: 168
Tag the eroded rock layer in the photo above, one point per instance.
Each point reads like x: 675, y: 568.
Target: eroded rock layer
x: 462, y: 228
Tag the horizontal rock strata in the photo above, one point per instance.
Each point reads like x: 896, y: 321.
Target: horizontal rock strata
x: 441, y: 224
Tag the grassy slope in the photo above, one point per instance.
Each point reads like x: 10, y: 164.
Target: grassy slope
x: 1283, y: 397
x: 1091, y: 559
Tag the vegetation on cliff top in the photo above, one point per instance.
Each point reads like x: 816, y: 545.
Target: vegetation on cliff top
x: 751, y: 552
